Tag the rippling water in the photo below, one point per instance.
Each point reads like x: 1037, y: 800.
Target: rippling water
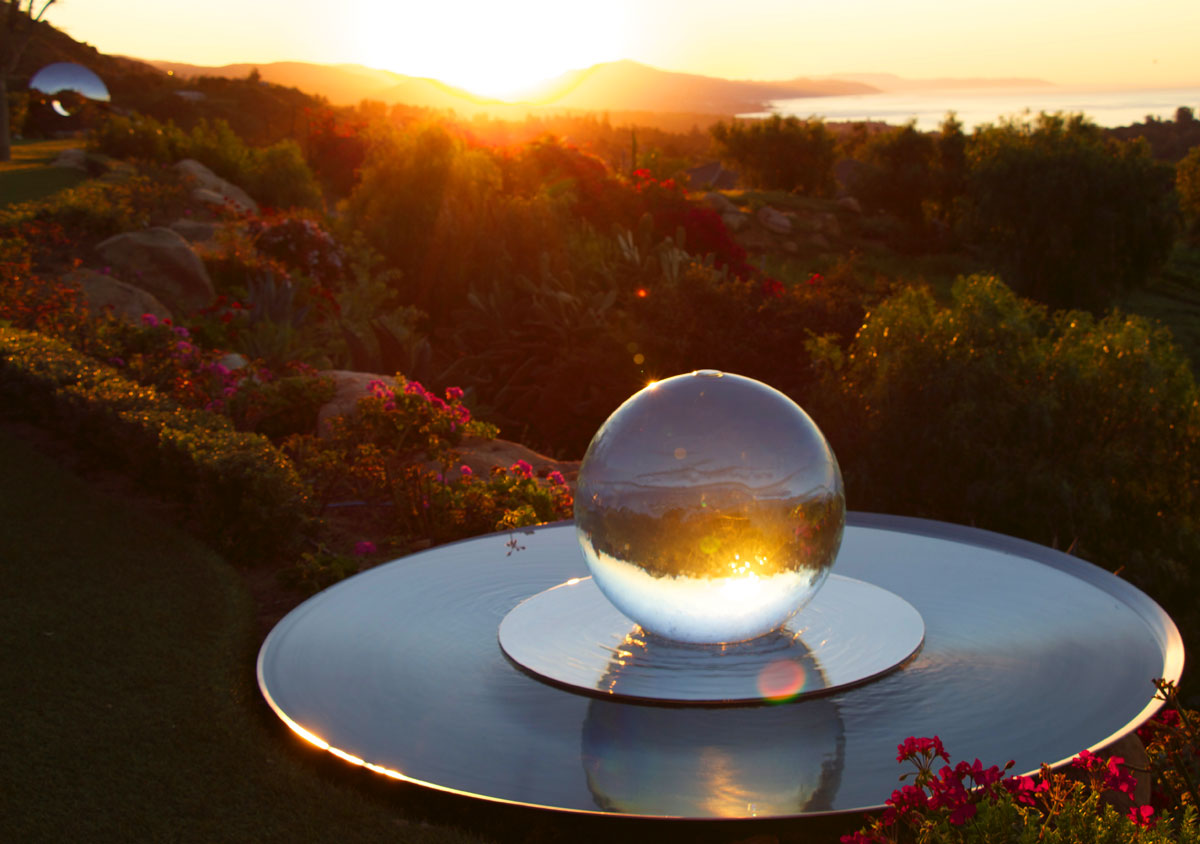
x: 975, y: 107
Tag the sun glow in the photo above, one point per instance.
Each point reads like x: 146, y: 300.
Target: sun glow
x: 501, y: 50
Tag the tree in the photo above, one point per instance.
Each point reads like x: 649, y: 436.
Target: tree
x: 779, y: 153
x: 1187, y: 185
x: 1068, y: 215
x: 17, y: 27
x: 899, y: 176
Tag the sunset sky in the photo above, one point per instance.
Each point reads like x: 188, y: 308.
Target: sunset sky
x: 494, y: 47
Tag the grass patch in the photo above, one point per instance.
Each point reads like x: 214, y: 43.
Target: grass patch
x: 29, y: 176
x: 132, y: 712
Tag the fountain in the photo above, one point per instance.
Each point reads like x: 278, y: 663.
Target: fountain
x: 684, y: 649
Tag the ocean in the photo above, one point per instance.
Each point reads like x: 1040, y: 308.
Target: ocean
x: 977, y: 106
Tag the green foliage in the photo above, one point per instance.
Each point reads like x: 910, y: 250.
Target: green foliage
x: 98, y: 209
x: 276, y: 175
x: 1067, y: 215
x: 782, y: 153
x: 900, y: 177
x: 1187, y: 186
x: 1059, y: 428
x: 241, y: 494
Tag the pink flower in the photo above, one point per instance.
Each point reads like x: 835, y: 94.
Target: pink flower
x: 522, y: 469
x: 454, y: 393
x: 1142, y: 815
x: 465, y: 471
x: 556, y: 478
x: 149, y: 320
x: 180, y: 331
x: 921, y: 746
x: 362, y: 549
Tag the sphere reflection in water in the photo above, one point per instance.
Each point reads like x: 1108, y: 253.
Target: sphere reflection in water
x: 709, y: 508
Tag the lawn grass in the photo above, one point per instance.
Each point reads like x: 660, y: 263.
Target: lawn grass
x: 29, y: 176
x: 127, y: 682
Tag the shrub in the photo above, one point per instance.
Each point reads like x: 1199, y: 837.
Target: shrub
x: 238, y: 492
x: 1059, y: 428
x: 1091, y: 800
x: 779, y: 153
x: 1068, y: 216
x: 1187, y: 185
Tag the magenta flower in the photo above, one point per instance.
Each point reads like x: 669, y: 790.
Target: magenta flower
x: 465, y: 471
x: 362, y: 549
x: 180, y: 331
x: 1142, y: 815
x: 149, y: 320
x: 522, y: 469
x: 556, y: 478
x: 454, y: 393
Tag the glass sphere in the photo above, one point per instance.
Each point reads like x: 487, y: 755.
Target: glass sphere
x: 709, y: 508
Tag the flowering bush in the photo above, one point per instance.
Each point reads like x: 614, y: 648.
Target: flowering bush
x: 398, y: 450
x: 1092, y: 800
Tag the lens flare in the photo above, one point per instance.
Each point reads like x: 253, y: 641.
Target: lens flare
x: 781, y: 680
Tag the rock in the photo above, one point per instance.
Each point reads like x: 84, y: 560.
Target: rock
x: 75, y: 159
x: 233, y: 361
x: 194, y: 231
x: 819, y: 241
x: 117, y: 171
x: 483, y: 455
x: 849, y: 203
x: 480, y: 455
x: 774, y: 221
x: 212, y: 189
x: 755, y: 239
x: 720, y: 203
x: 735, y: 221
x: 160, y: 261
x: 830, y: 225
x: 349, y: 387
x: 127, y: 302
x: 790, y: 247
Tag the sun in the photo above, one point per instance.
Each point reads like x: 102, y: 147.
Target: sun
x: 492, y: 49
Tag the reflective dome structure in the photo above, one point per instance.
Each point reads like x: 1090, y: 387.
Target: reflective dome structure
x: 68, y: 78
x: 709, y: 508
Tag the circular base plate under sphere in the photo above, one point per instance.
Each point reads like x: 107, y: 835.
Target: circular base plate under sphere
x: 850, y: 633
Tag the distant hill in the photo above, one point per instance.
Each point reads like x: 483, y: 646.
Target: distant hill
x: 890, y: 82
x: 629, y: 85
x: 613, y: 86
x: 341, y: 84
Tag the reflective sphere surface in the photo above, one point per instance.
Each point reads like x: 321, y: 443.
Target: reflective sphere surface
x: 61, y: 78
x: 709, y: 508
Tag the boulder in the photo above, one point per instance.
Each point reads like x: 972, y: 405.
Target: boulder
x: 774, y: 220
x: 101, y: 291
x: 478, y: 454
x: 849, y: 203
x: 720, y: 203
x: 755, y: 239
x: 349, y: 387
x: 194, y: 231
x: 482, y: 455
x: 161, y: 262
x: 75, y: 159
x: 212, y: 189
x: 735, y: 221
